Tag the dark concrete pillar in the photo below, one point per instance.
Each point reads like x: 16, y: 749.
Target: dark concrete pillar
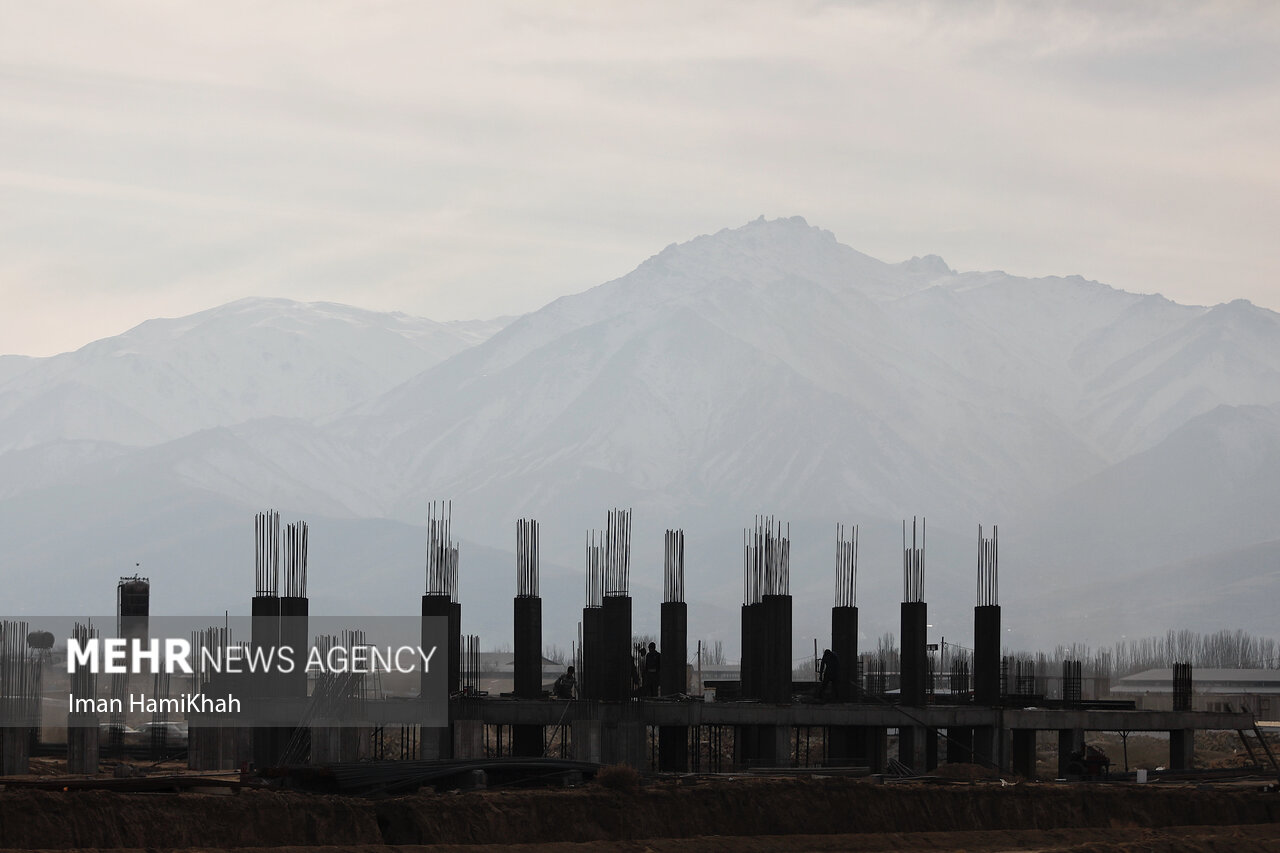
x: 913, y: 747
x: 673, y: 749
x: 455, y: 650
x: 844, y: 642
x: 673, y: 677
x: 617, y: 659
x: 777, y: 651
x: 987, y: 745
x: 1024, y: 753
x: 857, y: 746
x: 1070, y: 743
x: 960, y: 745
x: 528, y: 740
x: 915, y: 655
x: 294, y: 635
x: 762, y: 746
x: 268, y: 741
x: 673, y: 741
x: 436, y: 742
x: 528, y: 647
x: 437, y: 608
x: 82, y: 744
x: 591, y: 679
x: 986, y: 655
x: 752, y: 649
x: 1182, y: 744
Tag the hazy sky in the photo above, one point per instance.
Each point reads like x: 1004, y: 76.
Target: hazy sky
x: 472, y: 159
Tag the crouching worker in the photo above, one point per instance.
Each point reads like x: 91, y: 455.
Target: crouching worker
x: 565, y: 685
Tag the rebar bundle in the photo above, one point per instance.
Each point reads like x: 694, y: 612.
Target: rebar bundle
x: 766, y: 568
x: 207, y: 647
x: 84, y: 681
x: 442, y: 552
x: 594, y: 570
x: 295, y: 560
x: 874, y: 677
x: 673, y: 566
x: 470, y: 664
x: 1072, y: 683
x: 526, y: 558
x: 1182, y: 687
x: 617, y: 557
x: 913, y: 564
x: 340, y: 693
x: 989, y: 567
x: 266, y: 555
x: 846, y: 566
x: 959, y: 676
x: 19, y: 677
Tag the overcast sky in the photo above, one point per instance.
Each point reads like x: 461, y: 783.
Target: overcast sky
x: 473, y: 159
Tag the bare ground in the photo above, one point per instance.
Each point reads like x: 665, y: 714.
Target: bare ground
x: 713, y: 815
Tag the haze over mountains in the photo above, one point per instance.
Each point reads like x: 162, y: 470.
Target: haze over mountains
x: 1127, y: 445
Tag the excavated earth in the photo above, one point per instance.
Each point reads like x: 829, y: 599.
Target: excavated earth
x: 713, y: 815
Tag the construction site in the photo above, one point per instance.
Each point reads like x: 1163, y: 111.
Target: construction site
x: 639, y: 744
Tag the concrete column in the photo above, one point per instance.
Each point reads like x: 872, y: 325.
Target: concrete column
x: 915, y: 655
x: 15, y: 751
x: 591, y: 679
x: 959, y: 745
x: 844, y: 642
x: 617, y: 661
x: 468, y: 739
x: 752, y: 649
x: 913, y: 747
x: 586, y: 740
x: 455, y: 647
x: 82, y: 743
x: 1023, y: 761
x: 1070, y: 742
x: 986, y: 655
x: 268, y: 742
x: 624, y: 742
x: 987, y: 744
x: 777, y: 649
x: 1182, y: 749
x: 673, y: 749
x: 527, y: 740
x: 527, y: 622
x: 673, y: 677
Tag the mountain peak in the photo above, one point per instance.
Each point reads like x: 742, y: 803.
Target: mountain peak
x: 928, y: 266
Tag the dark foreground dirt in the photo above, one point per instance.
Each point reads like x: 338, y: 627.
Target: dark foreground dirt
x: 722, y: 815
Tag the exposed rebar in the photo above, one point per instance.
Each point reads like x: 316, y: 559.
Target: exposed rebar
x: 989, y: 567
x: 617, y: 557
x: 846, y: 566
x: 266, y: 556
x: 766, y: 566
x: 442, y: 551
x: 295, y: 560
x: 673, y: 566
x: 913, y: 564
x: 526, y: 558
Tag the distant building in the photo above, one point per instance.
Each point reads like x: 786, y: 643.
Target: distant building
x: 1256, y: 691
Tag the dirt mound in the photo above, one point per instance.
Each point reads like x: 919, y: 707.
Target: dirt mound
x: 969, y: 772
x: 42, y: 819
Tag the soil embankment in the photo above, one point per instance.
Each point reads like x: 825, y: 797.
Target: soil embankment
x: 737, y: 808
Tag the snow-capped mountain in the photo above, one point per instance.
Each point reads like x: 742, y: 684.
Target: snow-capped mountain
x: 767, y: 368
x: 252, y: 358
